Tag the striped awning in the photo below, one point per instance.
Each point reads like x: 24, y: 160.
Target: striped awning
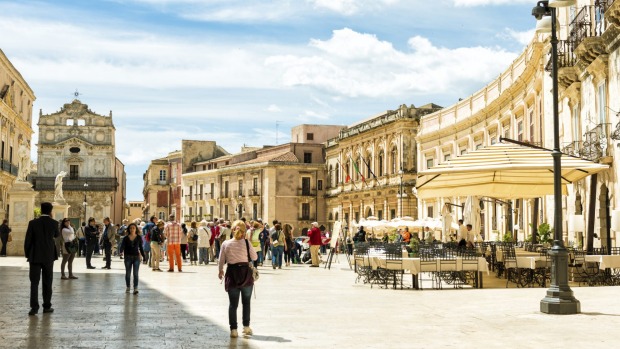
x: 502, y: 171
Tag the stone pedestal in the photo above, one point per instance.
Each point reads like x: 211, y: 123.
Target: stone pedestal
x: 60, y: 211
x: 21, y: 203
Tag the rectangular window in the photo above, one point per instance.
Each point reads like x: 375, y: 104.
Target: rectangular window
x: 162, y: 175
x: 310, y: 136
x: 211, y: 211
x: 392, y: 213
x: 429, y: 212
x: 576, y: 123
x: 201, y: 191
x: 212, y: 190
x: 602, y: 104
x: 11, y: 154
x: 254, y: 211
x: 200, y: 215
x: 240, y: 187
x: 520, y: 130
x: 346, y: 218
x: 493, y: 140
x: 305, y: 186
x: 73, y: 171
x: 357, y: 216
x: 380, y: 215
x: 255, y: 185
x: 191, y: 192
x: 305, y: 211
x: 226, y: 190
x: 226, y: 212
x: 2, y: 151
x: 319, y: 185
x: 307, y: 158
x: 429, y: 163
x: 532, y: 126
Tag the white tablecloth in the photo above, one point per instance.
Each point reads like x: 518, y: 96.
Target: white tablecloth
x: 605, y: 261
x: 414, y: 265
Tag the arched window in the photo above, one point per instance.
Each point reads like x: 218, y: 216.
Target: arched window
x: 331, y: 216
x: 336, y: 216
x: 337, y: 175
x: 380, y: 160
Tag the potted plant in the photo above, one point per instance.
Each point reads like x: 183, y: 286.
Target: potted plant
x: 414, y: 245
x: 507, y: 237
x: 545, y: 233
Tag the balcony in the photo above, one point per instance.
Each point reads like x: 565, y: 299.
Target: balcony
x: 94, y: 184
x: 573, y: 148
x: 596, y: 142
x: 586, y: 30
x: 567, y: 73
x: 306, y: 192
x: 253, y: 192
x: 9, y: 167
x: 162, y: 182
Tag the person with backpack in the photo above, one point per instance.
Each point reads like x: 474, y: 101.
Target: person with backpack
x: 157, y: 240
x: 192, y: 244
x: 277, y: 246
x: 204, y: 240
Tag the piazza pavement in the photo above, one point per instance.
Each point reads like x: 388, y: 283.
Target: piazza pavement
x: 296, y: 307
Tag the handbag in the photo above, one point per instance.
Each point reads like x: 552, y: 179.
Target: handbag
x: 255, y: 275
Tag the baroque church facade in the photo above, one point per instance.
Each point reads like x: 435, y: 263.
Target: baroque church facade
x: 81, y: 143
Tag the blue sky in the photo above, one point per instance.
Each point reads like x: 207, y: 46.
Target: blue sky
x: 227, y: 70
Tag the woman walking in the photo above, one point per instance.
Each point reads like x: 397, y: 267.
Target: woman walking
x: 204, y: 240
x: 254, y: 237
x: 68, y: 248
x: 184, y: 242
x: 277, y: 246
x: 237, y: 254
x: 133, y: 251
x: 289, y: 245
x: 192, y: 244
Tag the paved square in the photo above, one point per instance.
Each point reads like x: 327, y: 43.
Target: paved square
x: 296, y: 307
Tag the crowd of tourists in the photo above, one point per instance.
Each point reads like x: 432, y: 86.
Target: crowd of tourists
x: 242, y: 246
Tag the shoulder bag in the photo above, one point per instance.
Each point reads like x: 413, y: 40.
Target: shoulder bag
x: 254, y: 271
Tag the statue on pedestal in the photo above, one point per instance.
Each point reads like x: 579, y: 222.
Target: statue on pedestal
x: 23, y: 154
x: 58, y: 195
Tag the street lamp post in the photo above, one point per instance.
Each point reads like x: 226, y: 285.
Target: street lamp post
x: 559, y: 298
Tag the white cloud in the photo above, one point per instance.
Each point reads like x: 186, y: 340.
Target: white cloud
x: 523, y: 38
x: 274, y: 109
x: 360, y: 65
x: 468, y: 3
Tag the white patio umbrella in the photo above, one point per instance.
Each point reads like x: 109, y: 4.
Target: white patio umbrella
x: 471, y: 215
x: 502, y: 171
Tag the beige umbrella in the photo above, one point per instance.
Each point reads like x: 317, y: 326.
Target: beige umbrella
x: 502, y: 171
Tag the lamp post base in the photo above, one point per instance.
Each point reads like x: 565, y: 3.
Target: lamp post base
x: 559, y: 298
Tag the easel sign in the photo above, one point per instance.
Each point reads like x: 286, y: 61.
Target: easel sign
x: 333, y: 242
x: 335, y: 234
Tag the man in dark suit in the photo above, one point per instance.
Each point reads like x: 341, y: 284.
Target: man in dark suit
x: 90, y: 232
x: 109, y: 239
x: 40, y: 250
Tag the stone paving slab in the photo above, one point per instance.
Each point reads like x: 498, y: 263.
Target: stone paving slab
x: 296, y: 307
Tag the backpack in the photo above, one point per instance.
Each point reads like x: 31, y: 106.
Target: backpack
x: 195, y: 236
x: 155, y: 234
x: 275, y: 237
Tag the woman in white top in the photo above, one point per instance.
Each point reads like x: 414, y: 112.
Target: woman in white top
x: 68, y: 248
x: 204, y: 238
x: 236, y: 254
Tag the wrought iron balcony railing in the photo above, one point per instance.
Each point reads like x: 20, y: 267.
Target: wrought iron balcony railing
x: 573, y: 148
x: 589, y: 22
x: 94, y: 184
x: 596, y: 142
x: 566, y: 55
x: 8, y: 167
x: 306, y: 192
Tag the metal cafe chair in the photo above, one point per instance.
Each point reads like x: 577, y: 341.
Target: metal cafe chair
x: 394, y: 264
x: 447, y: 269
x: 363, y: 265
x: 428, y: 265
x: 470, y: 267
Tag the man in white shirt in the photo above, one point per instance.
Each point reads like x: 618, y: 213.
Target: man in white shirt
x: 462, y: 233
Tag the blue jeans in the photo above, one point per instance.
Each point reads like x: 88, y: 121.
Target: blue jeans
x: 233, y: 297
x: 132, y: 262
x: 276, y: 256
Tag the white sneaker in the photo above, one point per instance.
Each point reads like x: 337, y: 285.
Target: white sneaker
x: 247, y: 331
x: 234, y: 334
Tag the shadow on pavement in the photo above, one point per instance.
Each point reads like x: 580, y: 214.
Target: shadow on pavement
x: 95, y: 312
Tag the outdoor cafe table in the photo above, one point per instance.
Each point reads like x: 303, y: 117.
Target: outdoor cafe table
x: 414, y: 266
x: 604, y: 261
